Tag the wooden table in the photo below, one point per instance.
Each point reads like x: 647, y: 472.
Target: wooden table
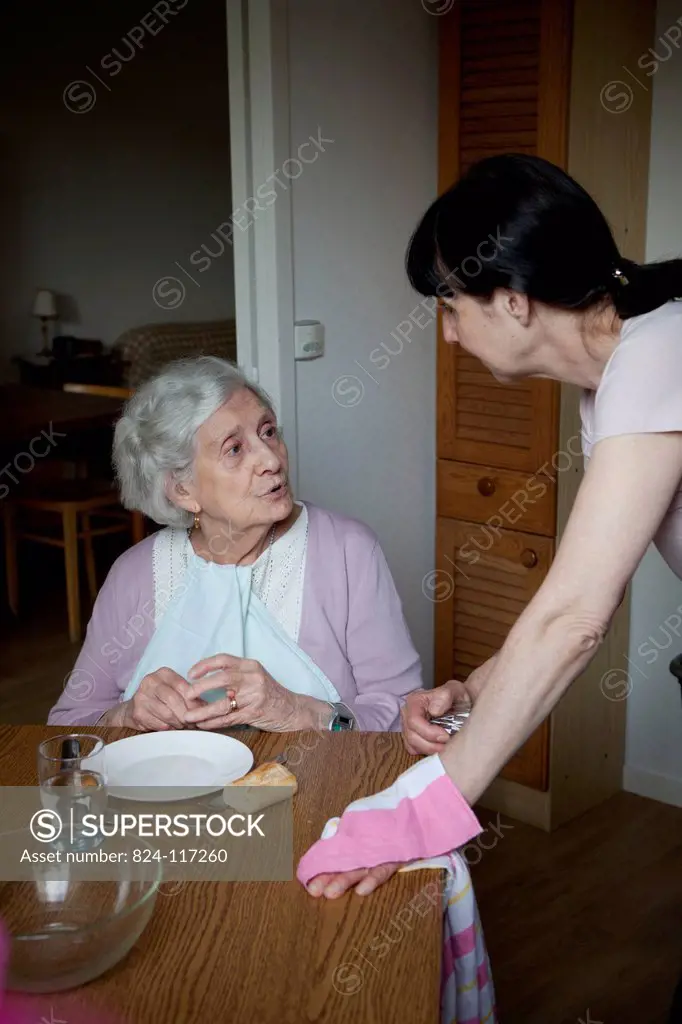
x: 267, y: 952
x: 25, y: 412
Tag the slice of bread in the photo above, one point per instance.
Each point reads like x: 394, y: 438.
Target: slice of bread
x: 272, y: 773
x: 267, y: 784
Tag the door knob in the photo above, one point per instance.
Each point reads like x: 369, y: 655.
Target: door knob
x: 528, y: 558
x: 486, y: 486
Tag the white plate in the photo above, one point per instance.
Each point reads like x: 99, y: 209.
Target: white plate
x: 196, y: 763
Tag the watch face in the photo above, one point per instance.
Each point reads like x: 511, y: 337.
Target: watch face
x: 342, y: 720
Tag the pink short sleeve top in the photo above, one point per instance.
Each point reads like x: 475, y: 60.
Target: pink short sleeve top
x: 641, y: 393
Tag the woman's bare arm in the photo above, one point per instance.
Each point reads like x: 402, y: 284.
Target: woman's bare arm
x: 627, y: 489
x: 626, y: 492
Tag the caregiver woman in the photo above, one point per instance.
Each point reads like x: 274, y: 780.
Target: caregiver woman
x: 553, y: 298
x: 249, y: 607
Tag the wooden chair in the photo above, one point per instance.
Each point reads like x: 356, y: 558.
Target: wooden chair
x: 76, y: 502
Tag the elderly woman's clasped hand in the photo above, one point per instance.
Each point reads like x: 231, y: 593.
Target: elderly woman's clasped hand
x: 161, y: 702
x: 252, y: 697
x: 164, y: 700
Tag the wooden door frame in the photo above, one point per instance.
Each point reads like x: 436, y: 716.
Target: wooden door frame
x: 260, y: 142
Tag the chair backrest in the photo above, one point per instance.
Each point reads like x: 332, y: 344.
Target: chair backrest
x: 146, y: 349
x: 105, y: 390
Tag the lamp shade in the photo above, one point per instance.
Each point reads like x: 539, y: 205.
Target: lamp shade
x: 44, y: 304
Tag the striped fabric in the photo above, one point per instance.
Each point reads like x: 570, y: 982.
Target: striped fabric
x: 467, y: 993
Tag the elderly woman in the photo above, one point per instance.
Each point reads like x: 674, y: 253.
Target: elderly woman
x: 249, y: 607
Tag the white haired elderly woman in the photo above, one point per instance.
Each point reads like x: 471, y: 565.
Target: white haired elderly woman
x: 249, y: 607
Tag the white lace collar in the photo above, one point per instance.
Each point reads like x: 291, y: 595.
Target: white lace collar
x: 277, y: 577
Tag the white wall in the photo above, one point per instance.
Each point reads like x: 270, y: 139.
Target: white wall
x: 365, y: 72
x: 654, y: 724
x: 99, y: 205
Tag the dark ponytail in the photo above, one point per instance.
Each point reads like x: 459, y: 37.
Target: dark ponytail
x: 520, y: 222
x: 649, y: 285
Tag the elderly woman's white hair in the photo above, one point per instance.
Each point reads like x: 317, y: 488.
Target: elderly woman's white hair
x: 155, y: 437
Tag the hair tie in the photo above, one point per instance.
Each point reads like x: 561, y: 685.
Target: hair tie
x: 620, y: 276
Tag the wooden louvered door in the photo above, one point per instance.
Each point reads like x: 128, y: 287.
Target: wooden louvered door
x: 500, y: 65
x: 485, y: 422
x: 480, y: 593
x: 503, y: 88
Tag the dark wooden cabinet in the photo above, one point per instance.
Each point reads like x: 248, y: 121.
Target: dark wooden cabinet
x: 491, y: 579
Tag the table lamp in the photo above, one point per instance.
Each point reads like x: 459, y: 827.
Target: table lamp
x: 45, y: 307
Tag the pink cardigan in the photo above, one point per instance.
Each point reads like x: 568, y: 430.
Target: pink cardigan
x: 352, y: 627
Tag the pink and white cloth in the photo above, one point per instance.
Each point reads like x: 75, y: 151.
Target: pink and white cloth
x: 420, y: 821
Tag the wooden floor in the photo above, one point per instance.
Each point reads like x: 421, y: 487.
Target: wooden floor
x: 588, y: 917
x: 582, y: 925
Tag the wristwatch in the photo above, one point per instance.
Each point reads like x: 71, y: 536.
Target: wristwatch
x: 342, y: 719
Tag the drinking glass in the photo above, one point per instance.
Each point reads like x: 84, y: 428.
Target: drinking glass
x: 71, y: 772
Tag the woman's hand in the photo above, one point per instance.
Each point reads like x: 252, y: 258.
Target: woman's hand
x: 365, y: 880
x: 160, y: 702
x: 420, y: 736
x: 261, y: 701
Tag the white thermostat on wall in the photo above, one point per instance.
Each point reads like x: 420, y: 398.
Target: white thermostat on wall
x: 308, y: 339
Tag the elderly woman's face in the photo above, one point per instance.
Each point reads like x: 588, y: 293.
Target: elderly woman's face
x: 240, y: 472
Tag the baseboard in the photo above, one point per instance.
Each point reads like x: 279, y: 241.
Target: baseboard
x: 664, y: 788
x: 527, y: 805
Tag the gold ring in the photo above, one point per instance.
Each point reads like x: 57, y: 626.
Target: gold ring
x: 233, y: 705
